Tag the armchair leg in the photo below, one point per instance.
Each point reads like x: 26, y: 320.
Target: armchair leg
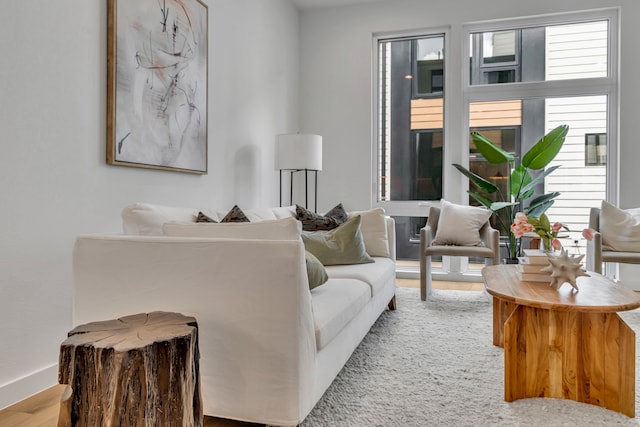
x: 425, y: 277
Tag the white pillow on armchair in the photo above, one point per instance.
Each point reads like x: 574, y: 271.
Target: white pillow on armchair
x: 620, y: 228
x: 459, y: 225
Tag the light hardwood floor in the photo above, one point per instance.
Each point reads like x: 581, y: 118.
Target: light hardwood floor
x: 41, y: 410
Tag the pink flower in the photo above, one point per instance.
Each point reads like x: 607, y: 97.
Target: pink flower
x: 587, y: 233
x: 520, y: 218
x: 555, y: 244
x: 520, y: 225
x: 556, y: 227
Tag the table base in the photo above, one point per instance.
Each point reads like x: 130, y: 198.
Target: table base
x: 583, y: 356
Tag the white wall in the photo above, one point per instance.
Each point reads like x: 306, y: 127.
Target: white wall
x: 336, y: 72
x: 55, y: 183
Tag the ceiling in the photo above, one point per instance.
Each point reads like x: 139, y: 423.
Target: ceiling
x: 315, y: 4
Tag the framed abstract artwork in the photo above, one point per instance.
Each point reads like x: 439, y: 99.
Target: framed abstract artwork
x: 157, y: 67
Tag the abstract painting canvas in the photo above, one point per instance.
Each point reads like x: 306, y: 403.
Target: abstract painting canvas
x: 157, y: 84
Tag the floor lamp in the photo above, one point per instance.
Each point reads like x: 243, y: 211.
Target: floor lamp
x: 299, y: 152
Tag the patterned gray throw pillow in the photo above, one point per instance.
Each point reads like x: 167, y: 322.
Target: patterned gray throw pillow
x: 234, y: 215
x: 312, y: 221
x: 204, y: 218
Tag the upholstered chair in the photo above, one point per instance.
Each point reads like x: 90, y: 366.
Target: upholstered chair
x: 488, y: 247
x: 601, y: 247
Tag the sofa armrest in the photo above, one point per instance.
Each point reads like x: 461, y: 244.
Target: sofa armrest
x: 251, y: 300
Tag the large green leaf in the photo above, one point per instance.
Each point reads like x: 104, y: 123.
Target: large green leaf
x: 479, y: 181
x: 496, y: 206
x: 491, y: 152
x: 520, y: 178
x: 538, y: 209
x: 484, y: 201
x: 545, y: 150
x: 538, y: 179
x: 543, y: 199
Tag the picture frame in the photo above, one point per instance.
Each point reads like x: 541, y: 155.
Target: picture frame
x: 157, y: 83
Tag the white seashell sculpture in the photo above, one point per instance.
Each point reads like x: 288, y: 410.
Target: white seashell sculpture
x: 564, y: 268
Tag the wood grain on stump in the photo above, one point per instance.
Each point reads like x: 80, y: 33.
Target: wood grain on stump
x: 139, y: 370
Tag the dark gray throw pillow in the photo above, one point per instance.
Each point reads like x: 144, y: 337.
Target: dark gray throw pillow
x: 312, y: 221
x: 205, y: 218
x: 235, y: 215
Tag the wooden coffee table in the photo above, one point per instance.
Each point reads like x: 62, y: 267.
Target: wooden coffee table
x: 562, y: 343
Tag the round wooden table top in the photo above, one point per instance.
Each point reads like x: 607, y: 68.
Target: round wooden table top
x: 596, y: 293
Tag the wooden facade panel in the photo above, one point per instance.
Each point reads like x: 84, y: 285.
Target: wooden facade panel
x: 428, y: 113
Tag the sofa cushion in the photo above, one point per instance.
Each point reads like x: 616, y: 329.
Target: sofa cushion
x: 334, y: 305
x: 460, y: 225
x: 375, y: 275
x: 284, y: 212
x: 255, y: 215
x: 146, y: 219
x: 277, y: 229
x: 342, y: 245
x: 312, y: 221
x: 374, y: 231
x: 316, y: 273
x: 620, y: 228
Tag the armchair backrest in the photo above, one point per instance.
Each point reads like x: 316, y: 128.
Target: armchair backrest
x: 594, y: 219
x: 432, y: 220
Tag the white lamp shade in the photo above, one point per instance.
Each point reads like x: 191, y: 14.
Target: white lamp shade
x: 299, y: 151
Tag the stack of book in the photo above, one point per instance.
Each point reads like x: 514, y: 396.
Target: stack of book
x: 528, y: 268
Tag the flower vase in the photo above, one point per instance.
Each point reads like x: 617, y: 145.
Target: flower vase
x: 545, y: 244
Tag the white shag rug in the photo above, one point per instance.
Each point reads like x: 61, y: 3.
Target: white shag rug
x: 433, y: 364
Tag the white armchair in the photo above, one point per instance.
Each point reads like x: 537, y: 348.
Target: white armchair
x: 598, y: 254
x: 490, y: 249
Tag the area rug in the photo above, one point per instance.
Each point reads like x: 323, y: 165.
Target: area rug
x: 433, y: 364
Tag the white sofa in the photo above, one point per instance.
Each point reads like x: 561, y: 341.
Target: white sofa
x: 269, y: 347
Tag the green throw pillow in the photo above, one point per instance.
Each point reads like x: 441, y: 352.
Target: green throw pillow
x: 316, y: 273
x: 342, y: 245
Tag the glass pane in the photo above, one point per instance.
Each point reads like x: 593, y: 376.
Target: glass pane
x: 580, y: 186
x: 499, y: 76
x: 411, y: 119
x: 408, y: 237
x: 556, y: 52
x: 429, y: 65
x: 498, y: 47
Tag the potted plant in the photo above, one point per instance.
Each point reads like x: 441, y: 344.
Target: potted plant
x: 521, y: 183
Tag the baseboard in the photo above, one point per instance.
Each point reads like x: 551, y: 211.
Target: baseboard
x: 17, y: 390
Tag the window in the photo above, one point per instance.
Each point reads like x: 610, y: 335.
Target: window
x: 521, y: 78
x: 411, y: 90
x: 558, y: 73
x: 495, y: 57
x: 595, y: 149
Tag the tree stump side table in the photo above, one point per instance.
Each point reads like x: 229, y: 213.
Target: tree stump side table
x: 139, y: 370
